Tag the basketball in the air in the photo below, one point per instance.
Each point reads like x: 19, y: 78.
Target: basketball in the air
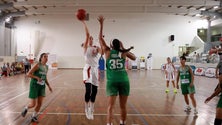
x: 81, y: 14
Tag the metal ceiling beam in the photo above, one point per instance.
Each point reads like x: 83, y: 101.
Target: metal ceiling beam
x: 220, y: 3
x: 5, y: 6
x: 12, y: 14
x: 211, y: 14
x: 15, y: 14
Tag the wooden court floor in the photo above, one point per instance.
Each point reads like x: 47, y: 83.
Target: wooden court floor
x: 148, y: 103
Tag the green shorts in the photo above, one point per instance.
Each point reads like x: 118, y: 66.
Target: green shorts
x: 219, y: 104
x: 186, y: 89
x: 117, y: 88
x: 36, y: 90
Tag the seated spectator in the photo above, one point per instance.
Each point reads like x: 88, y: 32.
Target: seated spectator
x: 9, y: 71
x: 13, y: 68
x: 26, y: 65
x: 4, y: 70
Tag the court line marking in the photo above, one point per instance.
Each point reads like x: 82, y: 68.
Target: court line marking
x: 104, y: 114
x: 9, y: 92
x: 54, y: 78
x: 9, y: 100
x: 140, y: 117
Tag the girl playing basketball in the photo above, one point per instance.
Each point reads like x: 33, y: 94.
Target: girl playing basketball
x: 170, y: 75
x: 185, y: 74
x: 117, y: 78
x: 38, y: 75
x: 90, y: 72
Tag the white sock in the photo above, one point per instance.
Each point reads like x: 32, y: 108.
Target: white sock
x: 91, y: 106
x: 87, y: 106
x: 122, y: 122
x: 34, y: 114
x: 109, y: 124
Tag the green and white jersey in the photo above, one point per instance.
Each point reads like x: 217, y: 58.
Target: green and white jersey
x: 41, y: 73
x: 185, y: 76
x: 115, y: 68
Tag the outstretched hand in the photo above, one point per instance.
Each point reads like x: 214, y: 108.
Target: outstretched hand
x: 101, y: 19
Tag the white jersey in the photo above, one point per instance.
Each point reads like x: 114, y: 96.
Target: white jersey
x: 90, y: 70
x: 169, y: 67
x: 91, y: 56
x: 170, y: 72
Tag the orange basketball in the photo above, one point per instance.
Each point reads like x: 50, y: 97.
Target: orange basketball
x: 81, y: 14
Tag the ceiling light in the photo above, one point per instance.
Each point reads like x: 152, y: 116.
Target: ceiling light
x: 8, y: 19
x: 216, y: 7
x: 203, y: 8
x: 198, y: 15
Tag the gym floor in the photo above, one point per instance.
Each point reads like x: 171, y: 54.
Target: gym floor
x: 148, y: 104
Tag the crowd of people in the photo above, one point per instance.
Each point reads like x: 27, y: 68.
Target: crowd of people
x: 14, y: 68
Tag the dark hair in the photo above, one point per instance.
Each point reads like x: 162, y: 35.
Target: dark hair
x: 40, y: 58
x: 116, y: 46
x: 183, y: 58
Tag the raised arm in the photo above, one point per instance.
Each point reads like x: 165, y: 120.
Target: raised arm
x: 85, y: 44
x: 102, y: 42
x: 131, y: 56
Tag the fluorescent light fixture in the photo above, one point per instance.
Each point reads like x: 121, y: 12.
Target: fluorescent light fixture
x: 8, y: 19
x: 203, y: 8
x: 198, y: 15
x: 216, y: 7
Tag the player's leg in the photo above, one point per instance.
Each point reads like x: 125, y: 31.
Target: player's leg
x: 123, y: 101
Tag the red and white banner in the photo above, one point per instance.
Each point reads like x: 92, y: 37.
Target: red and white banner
x: 210, y: 72
x: 199, y: 71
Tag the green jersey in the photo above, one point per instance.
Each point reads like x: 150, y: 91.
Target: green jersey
x: 185, y: 76
x: 115, y: 68
x: 38, y: 88
x: 41, y: 73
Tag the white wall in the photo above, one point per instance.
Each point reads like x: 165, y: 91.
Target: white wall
x: 2, y: 40
x: 62, y: 35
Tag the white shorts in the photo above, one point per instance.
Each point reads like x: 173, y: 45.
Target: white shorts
x: 170, y: 76
x: 90, y: 75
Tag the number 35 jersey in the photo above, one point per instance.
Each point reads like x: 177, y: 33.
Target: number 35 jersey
x: 115, y: 68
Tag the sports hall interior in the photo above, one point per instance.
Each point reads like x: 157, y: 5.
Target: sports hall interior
x: 156, y: 28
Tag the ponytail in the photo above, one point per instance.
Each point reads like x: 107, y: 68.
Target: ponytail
x: 116, y: 44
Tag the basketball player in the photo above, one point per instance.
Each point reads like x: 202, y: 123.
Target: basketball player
x: 218, y: 50
x: 217, y: 91
x: 186, y: 76
x: 38, y: 75
x: 90, y: 72
x: 218, y: 118
x: 170, y: 75
x: 117, y: 77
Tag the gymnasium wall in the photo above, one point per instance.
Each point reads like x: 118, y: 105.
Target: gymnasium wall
x: 63, y: 34
x: 2, y: 43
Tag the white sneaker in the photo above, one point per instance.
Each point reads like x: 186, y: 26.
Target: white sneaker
x: 91, y: 113
x: 87, y: 113
x: 187, y: 109
x: 91, y: 116
x: 195, y: 112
